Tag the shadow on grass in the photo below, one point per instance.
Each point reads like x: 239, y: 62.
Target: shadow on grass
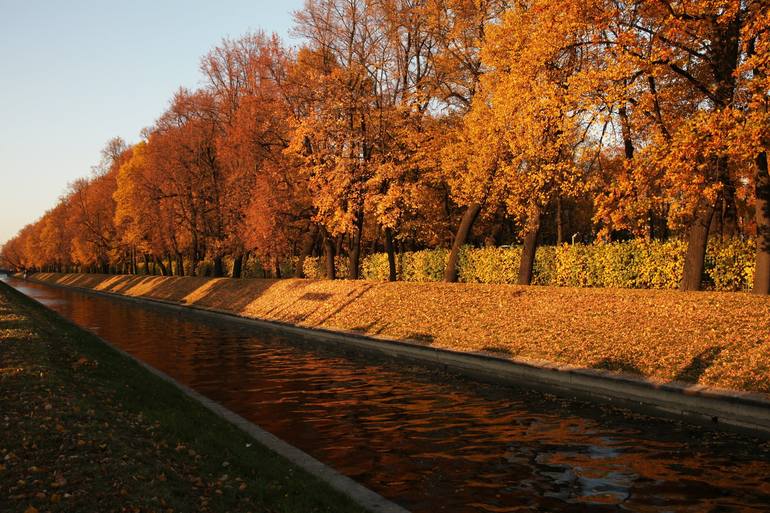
x: 616, y: 365
x: 316, y: 296
x: 699, y: 364
x: 222, y: 293
x: 498, y: 350
x: 691, y: 374
x: 423, y: 338
x: 364, y: 328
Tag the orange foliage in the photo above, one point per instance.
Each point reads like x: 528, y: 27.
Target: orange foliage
x: 396, y: 124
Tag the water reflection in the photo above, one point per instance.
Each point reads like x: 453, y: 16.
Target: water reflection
x: 432, y: 443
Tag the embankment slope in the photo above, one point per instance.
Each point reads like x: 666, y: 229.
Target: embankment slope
x: 709, y: 338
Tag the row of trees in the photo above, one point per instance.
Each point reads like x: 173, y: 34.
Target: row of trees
x: 427, y: 123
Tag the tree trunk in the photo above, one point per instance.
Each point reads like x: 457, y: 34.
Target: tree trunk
x: 237, y: 269
x: 697, y: 240
x: 308, y: 243
x: 146, y: 263
x: 762, y: 216
x: 338, y: 244
x: 530, y: 247
x: 277, y: 267
x: 559, y: 222
x: 466, y: 224
x: 159, y: 263
x: 329, y: 252
x: 625, y: 126
x: 391, y: 254
x: 219, y: 269
x: 729, y: 212
x: 179, y: 265
x: 355, y: 250
x: 761, y: 203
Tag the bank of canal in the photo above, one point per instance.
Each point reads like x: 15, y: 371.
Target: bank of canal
x: 428, y: 440
x: 84, y: 428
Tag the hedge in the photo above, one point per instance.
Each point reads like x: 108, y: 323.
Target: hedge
x: 632, y: 264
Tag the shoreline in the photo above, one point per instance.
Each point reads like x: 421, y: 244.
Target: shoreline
x: 724, y: 408
x: 326, y: 482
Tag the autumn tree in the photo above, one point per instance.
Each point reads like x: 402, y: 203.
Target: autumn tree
x: 181, y: 150
x: 539, y: 123
x: 755, y: 129
x: 407, y: 123
x: 55, y: 245
x: 142, y: 214
x: 91, y: 211
x: 407, y: 191
x: 336, y: 137
x: 458, y: 29
x: 687, y: 55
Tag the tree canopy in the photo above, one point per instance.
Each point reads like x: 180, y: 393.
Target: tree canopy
x: 408, y: 124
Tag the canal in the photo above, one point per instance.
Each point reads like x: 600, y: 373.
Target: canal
x: 429, y: 440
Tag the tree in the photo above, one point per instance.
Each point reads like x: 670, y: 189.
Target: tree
x: 181, y: 150
x: 335, y: 138
x: 55, y: 245
x: 90, y: 221
x: 527, y: 118
x: 689, y: 53
x: 756, y: 130
x: 458, y: 29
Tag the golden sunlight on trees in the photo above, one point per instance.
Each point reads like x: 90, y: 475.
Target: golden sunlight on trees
x: 404, y: 125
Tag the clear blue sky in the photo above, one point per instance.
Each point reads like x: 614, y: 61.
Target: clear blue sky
x: 75, y: 74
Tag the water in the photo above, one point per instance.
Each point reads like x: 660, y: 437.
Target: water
x: 428, y: 440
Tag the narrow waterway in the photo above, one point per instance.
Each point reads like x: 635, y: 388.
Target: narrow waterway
x: 428, y: 440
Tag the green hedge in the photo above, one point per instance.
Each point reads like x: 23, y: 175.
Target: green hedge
x: 632, y: 264
x: 731, y: 266
x: 315, y: 268
x: 427, y: 265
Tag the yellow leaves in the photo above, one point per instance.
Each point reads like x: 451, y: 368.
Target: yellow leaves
x: 519, y: 141
x: 131, y: 201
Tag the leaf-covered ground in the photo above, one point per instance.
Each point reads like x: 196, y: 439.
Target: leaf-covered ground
x: 718, y: 339
x: 84, y: 429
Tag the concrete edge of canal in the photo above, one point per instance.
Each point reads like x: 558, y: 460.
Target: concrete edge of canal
x: 361, y: 495
x: 742, y: 411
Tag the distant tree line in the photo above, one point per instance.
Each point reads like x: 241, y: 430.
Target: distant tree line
x: 399, y: 125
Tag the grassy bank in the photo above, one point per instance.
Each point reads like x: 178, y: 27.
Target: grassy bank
x: 86, y: 429
x: 709, y: 338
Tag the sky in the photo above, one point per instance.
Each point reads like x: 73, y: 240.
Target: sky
x: 75, y: 74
